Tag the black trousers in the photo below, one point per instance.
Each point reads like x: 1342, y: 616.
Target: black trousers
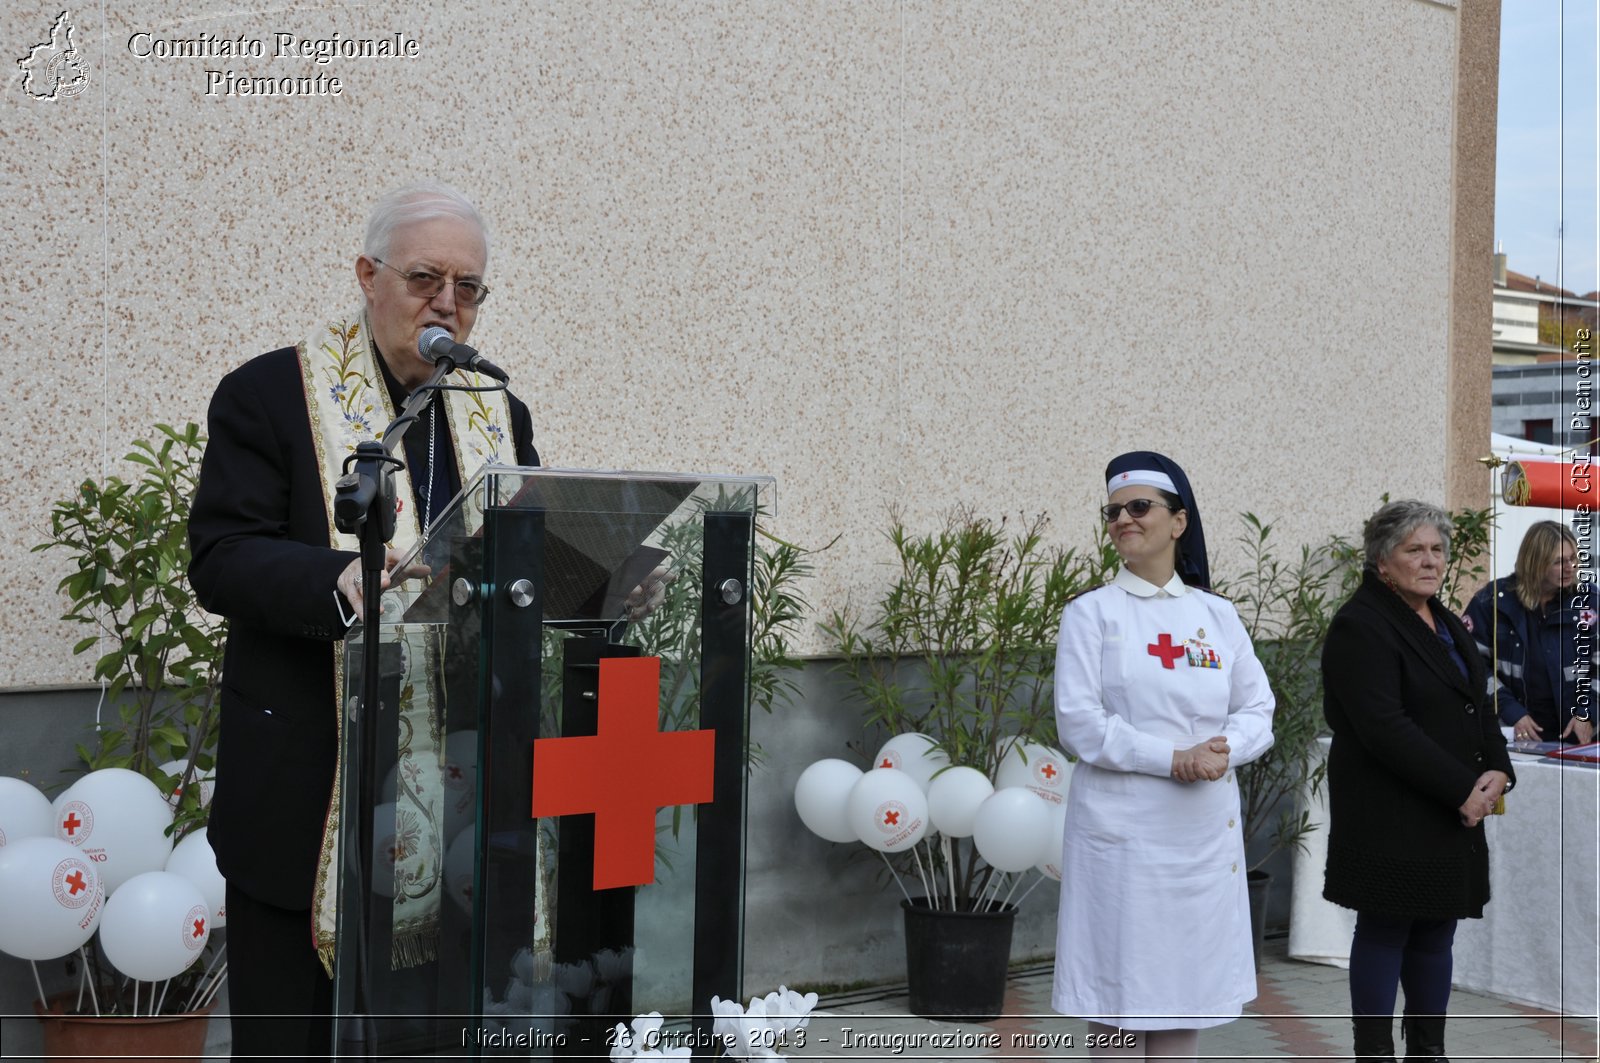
x: 280, y: 998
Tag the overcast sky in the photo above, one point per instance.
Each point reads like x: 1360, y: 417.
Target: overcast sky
x: 1545, y: 167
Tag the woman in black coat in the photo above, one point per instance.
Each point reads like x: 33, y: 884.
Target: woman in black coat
x: 1417, y: 761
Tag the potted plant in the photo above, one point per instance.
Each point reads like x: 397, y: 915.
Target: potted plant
x: 960, y: 648
x: 159, y: 662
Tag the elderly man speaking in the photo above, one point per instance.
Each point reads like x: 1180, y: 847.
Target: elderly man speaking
x: 267, y: 557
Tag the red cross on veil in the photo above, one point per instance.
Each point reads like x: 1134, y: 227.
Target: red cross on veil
x: 624, y: 773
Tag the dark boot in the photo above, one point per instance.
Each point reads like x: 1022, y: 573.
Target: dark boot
x: 1424, y: 1036
x: 1374, y: 1038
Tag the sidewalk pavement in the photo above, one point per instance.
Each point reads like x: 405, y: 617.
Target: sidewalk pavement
x: 1301, y: 1011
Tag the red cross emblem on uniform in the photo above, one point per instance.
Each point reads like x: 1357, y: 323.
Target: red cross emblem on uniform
x: 624, y: 773
x: 1586, y: 618
x: 1164, y: 649
x: 75, y: 883
x: 71, y: 823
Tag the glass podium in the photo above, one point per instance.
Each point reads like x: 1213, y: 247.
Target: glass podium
x: 541, y: 823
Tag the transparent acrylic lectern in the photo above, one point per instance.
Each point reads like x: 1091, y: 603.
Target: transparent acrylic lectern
x: 541, y: 822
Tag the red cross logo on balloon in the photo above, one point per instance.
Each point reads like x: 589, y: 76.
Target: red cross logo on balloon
x: 199, y: 928
x: 1048, y: 771
x: 75, y: 883
x: 624, y: 773
x: 71, y: 823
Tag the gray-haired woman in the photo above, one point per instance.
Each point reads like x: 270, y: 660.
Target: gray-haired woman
x: 1417, y: 762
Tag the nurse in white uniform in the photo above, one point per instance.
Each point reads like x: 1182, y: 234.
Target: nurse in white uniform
x: 1160, y: 696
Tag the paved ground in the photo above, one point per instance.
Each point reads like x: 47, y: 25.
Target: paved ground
x: 1300, y: 1012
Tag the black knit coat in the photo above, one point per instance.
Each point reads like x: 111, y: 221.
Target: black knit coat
x: 1411, y: 736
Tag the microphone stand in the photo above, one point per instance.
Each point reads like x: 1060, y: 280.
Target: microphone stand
x: 364, y: 504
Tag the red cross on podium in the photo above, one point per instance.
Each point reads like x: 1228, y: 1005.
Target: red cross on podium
x: 625, y: 773
x: 1165, y: 650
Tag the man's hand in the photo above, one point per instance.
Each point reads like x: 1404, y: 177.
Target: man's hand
x: 349, y: 582
x: 1582, y: 729
x: 647, y: 597
x: 1207, y: 761
x: 1525, y: 730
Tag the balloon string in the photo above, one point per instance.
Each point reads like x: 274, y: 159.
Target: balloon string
x: 163, y: 999
x: 201, y: 984
x: 1029, y: 890
x: 94, y: 997
x: 221, y: 977
x: 949, y: 867
x: 136, y: 998
x: 37, y: 984
x: 1013, y: 889
x: 933, y: 900
x: 896, y: 875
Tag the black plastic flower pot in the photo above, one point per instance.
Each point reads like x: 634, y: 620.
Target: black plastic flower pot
x: 956, y: 961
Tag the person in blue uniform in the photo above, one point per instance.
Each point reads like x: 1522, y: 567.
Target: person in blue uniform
x: 1527, y: 626
x: 1160, y: 696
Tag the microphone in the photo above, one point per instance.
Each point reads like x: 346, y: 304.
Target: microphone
x: 437, y: 345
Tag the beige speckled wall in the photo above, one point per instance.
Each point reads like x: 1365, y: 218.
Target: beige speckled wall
x: 890, y: 252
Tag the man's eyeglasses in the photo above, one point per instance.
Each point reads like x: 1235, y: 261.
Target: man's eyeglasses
x: 1139, y: 507
x: 425, y: 285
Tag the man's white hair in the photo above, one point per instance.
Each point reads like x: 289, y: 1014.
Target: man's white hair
x: 418, y: 202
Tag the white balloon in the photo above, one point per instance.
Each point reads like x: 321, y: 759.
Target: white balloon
x: 118, y: 820
x: 193, y: 859
x: 1011, y: 829
x: 207, y: 781
x: 915, y: 754
x: 24, y: 812
x: 887, y: 810
x: 51, y: 898
x: 1041, y: 769
x: 954, y: 797
x: 155, y: 926
x: 820, y: 795
x: 1051, y: 863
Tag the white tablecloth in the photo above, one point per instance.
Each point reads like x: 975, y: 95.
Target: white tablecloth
x: 1537, y: 942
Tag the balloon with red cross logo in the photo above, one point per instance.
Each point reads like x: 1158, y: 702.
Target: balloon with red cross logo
x: 887, y: 809
x: 51, y: 899
x: 155, y: 926
x: 206, y: 780
x: 193, y: 859
x: 118, y: 820
x: 915, y: 754
x: 24, y: 811
x: 1041, y: 769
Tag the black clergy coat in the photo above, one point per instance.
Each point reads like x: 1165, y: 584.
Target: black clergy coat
x: 1411, y: 736
x: 260, y: 531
